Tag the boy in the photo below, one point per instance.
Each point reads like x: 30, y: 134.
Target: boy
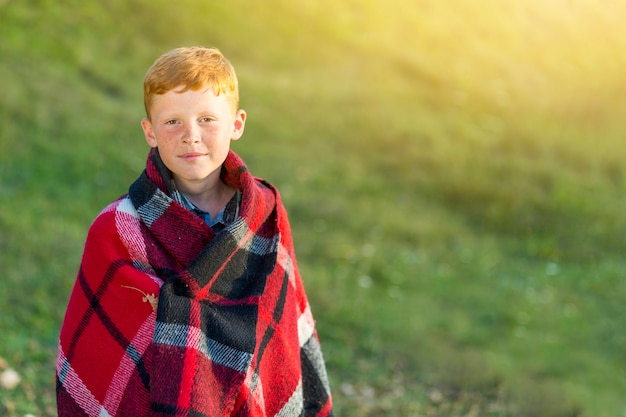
x: 188, y: 300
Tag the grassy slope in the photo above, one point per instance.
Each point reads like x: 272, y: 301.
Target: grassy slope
x: 453, y: 175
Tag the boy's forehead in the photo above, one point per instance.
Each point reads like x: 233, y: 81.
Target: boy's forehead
x: 185, y: 96
x: 189, y: 95
x: 202, y: 88
x: 181, y: 99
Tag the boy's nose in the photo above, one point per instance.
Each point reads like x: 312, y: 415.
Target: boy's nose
x: 191, y: 134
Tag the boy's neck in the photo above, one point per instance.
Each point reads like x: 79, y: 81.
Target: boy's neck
x: 211, y: 198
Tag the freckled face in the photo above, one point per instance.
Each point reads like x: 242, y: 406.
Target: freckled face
x: 192, y: 131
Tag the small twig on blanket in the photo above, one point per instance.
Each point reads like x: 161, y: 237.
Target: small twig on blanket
x: 150, y: 298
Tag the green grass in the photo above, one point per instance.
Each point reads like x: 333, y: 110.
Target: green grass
x: 453, y: 174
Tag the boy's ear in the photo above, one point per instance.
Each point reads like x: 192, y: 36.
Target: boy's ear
x: 148, y: 132
x: 240, y: 123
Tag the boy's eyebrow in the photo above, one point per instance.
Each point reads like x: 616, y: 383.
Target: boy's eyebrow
x: 176, y: 114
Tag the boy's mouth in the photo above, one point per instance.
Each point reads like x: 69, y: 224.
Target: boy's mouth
x: 191, y: 155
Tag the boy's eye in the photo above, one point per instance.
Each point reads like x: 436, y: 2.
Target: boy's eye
x: 206, y: 119
x: 170, y: 122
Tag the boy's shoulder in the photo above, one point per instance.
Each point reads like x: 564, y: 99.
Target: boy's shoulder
x: 118, y: 230
x: 115, y: 212
x: 122, y: 203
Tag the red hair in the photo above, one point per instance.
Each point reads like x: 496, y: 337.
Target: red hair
x: 191, y: 68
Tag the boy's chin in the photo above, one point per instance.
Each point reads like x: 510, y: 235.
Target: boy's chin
x: 206, y: 176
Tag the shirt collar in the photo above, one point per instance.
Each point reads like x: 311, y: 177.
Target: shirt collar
x: 226, y: 216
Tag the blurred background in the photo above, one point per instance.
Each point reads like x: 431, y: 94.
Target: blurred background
x: 453, y: 172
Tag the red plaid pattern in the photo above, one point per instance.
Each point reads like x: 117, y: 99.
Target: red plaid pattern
x: 232, y: 333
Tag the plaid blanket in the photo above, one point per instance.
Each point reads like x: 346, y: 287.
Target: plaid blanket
x: 167, y: 318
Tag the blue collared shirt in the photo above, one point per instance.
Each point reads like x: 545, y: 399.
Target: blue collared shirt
x: 225, y: 217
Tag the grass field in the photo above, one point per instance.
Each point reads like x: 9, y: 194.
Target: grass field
x: 453, y: 172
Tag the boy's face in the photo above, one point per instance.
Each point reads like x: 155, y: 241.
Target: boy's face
x: 193, y: 131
